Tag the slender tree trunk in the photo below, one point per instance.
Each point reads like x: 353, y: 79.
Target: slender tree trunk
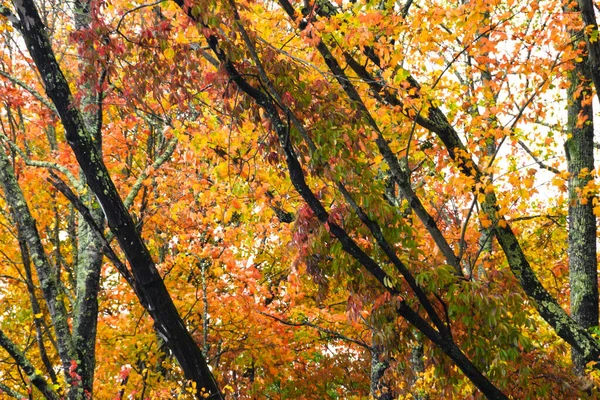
x: 89, y: 248
x: 380, y: 389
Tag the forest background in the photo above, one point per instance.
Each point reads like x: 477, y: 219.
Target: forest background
x: 298, y: 200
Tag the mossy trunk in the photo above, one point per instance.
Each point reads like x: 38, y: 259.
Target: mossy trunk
x: 89, y: 248
x: 579, y: 148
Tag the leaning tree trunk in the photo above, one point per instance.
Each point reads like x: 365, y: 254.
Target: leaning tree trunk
x: 149, y: 285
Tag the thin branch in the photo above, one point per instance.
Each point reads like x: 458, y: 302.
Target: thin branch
x: 463, y: 232
x: 12, y: 393
x: 62, y: 187
x: 134, y: 9
x: 330, y: 332
x: 393, y: 257
x: 266, y: 82
x: 137, y: 186
x: 35, y: 307
x: 38, y: 381
x: 45, y: 164
x: 536, y: 159
x: 29, y: 89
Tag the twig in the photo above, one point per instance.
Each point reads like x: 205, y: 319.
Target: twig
x: 335, y: 334
x: 537, y: 160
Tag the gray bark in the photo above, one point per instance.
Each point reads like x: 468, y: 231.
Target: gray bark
x: 379, y: 389
x: 89, y: 247
x: 85, y: 313
x: 50, y: 287
x: 583, y: 275
x: 417, y: 364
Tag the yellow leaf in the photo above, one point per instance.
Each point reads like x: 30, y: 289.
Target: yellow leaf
x: 169, y: 53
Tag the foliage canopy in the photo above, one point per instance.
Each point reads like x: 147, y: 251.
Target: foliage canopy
x: 254, y: 199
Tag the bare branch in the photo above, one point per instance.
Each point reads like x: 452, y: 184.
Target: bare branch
x: 536, y: 159
x: 330, y: 332
x: 137, y: 186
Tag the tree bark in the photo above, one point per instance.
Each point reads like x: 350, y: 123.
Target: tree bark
x: 154, y: 295
x: 36, y: 379
x: 89, y: 248
x: 583, y: 275
x: 417, y: 364
x: 380, y: 389
x: 48, y: 281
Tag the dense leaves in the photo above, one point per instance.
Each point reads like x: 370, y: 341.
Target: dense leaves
x: 325, y: 199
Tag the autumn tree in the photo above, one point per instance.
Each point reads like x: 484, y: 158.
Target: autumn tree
x: 430, y: 165
x: 83, y: 133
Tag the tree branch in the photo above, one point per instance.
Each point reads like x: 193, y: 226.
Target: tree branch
x: 29, y: 89
x: 330, y: 332
x: 139, y: 182
x: 38, y: 381
x: 62, y: 187
x: 21, y: 215
x: 44, y: 164
x: 536, y: 159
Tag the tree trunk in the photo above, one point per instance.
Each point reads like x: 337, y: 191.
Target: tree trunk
x: 380, y: 389
x: 89, y: 247
x: 151, y: 289
x: 583, y: 275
